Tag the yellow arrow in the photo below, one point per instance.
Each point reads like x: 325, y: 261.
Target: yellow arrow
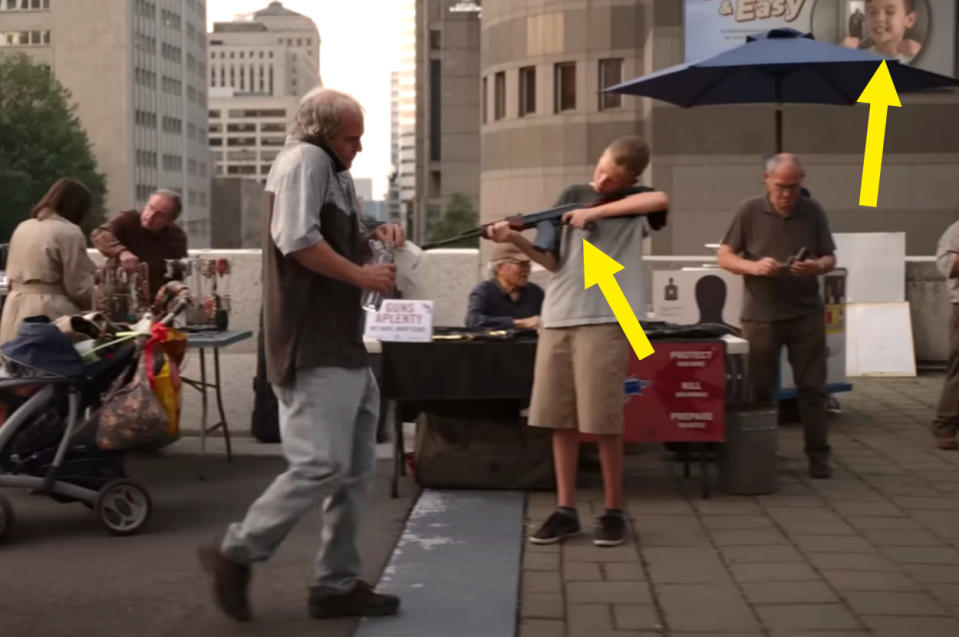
x: 599, y: 269
x: 880, y: 94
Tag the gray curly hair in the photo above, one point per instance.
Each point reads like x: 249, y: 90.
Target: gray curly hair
x: 320, y: 111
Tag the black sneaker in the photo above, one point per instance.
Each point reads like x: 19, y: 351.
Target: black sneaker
x: 362, y: 601
x: 819, y: 469
x: 556, y: 528
x: 610, y: 530
x: 231, y: 581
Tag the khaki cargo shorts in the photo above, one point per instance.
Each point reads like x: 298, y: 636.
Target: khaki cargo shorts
x: 578, y: 381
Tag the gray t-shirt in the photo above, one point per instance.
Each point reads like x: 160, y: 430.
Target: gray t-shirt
x: 946, y: 253
x: 303, y: 181
x: 758, y: 231
x: 309, y: 320
x: 567, y: 302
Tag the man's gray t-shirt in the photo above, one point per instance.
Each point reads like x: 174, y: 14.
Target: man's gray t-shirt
x: 309, y: 320
x: 758, y: 231
x: 303, y: 180
x: 567, y: 302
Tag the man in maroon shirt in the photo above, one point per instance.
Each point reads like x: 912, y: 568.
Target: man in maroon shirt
x: 150, y: 236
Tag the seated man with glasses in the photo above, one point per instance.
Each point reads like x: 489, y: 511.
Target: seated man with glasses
x: 508, y: 299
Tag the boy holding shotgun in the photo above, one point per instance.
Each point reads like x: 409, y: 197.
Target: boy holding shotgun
x: 582, y: 354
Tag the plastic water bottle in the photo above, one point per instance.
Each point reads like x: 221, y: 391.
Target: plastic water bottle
x: 382, y: 253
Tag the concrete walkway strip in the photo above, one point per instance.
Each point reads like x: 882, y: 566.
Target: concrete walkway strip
x: 456, y: 567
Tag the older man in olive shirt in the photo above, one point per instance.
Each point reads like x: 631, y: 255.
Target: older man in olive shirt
x: 782, y: 304
x: 946, y: 423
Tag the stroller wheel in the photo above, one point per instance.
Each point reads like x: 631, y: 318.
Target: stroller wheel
x: 123, y: 507
x: 6, y: 518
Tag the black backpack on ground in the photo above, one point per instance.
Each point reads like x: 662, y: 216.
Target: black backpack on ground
x: 265, y: 420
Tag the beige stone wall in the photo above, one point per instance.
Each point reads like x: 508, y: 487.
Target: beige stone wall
x: 527, y: 161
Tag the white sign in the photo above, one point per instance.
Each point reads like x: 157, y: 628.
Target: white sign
x: 401, y: 320
x: 876, y: 262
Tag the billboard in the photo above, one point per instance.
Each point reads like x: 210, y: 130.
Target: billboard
x: 921, y: 33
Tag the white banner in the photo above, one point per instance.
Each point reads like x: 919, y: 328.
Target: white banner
x: 916, y: 32
x: 401, y: 320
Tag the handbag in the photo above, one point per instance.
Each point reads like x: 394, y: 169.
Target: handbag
x: 131, y: 415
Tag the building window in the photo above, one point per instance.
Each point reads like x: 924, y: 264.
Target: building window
x: 610, y: 74
x: 499, y: 95
x: 484, y: 97
x: 434, y: 39
x: 527, y: 90
x: 564, y: 89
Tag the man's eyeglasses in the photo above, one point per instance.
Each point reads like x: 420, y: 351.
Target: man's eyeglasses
x: 787, y: 187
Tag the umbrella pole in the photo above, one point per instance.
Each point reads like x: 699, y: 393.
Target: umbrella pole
x: 779, y: 129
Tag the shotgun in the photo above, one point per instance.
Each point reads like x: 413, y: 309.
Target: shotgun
x: 547, y: 223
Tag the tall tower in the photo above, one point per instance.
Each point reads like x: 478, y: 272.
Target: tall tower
x: 260, y: 67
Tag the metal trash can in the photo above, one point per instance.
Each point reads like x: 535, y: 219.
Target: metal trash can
x: 748, y: 463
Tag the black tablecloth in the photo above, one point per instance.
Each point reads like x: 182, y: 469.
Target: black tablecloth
x: 488, y: 369
x: 459, y: 370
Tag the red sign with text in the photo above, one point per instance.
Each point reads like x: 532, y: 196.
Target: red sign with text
x: 677, y: 394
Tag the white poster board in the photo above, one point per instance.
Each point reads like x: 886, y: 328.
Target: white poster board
x: 401, y: 320
x: 879, y: 340
x: 876, y: 265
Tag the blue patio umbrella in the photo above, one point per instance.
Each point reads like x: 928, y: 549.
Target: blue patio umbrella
x: 780, y: 66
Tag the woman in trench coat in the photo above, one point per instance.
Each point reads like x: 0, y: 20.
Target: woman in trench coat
x: 48, y: 270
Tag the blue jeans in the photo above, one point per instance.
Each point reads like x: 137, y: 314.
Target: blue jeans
x: 328, y: 419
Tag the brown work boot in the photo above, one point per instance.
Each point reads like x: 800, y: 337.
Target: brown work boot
x: 819, y: 469
x: 947, y: 442
x: 362, y: 601
x: 231, y: 582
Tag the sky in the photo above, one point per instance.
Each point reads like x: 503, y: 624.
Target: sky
x: 359, y: 47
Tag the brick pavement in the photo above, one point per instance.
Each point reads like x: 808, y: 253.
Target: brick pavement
x: 873, y: 551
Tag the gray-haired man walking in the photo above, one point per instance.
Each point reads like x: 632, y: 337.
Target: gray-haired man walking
x: 313, y: 278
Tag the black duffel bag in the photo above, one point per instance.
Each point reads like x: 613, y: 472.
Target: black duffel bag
x: 475, y: 452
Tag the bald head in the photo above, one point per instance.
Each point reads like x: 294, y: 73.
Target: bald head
x: 783, y: 178
x: 783, y: 159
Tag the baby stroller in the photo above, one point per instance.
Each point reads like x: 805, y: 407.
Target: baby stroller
x: 44, y: 448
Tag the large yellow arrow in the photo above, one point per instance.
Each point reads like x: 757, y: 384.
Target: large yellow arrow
x: 599, y: 269
x: 880, y: 94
